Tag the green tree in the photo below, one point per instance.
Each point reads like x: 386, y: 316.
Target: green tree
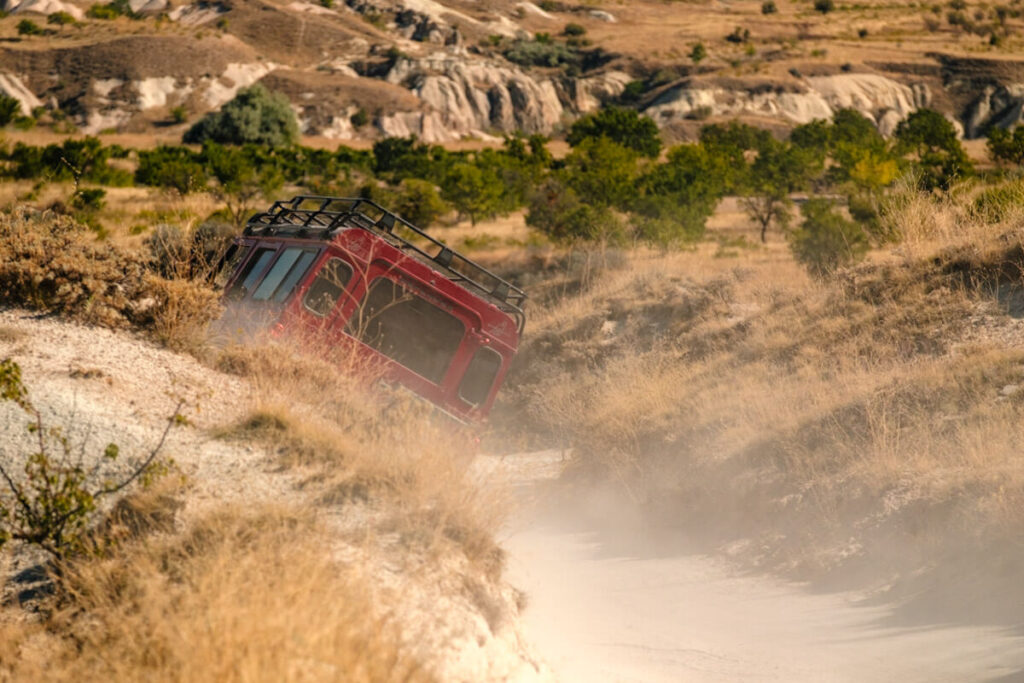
x: 241, y: 178
x: 780, y: 169
x: 471, y: 191
x: 826, y: 241
x: 557, y: 210
x: 930, y: 139
x: 255, y: 115
x: 677, y: 197
x: 624, y: 126
x: 602, y: 172
x: 732, y: 143
x: 418, y: 202
x: 1003, y: 145
x: 27, y: 27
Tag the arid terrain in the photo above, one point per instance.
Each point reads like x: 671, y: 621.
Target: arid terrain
x: 764, y: 421
x: 444, y: 71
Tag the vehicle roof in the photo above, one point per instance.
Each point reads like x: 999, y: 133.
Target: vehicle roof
x: 325, y: 218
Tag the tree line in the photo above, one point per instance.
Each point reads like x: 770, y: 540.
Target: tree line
x: 617, y: 185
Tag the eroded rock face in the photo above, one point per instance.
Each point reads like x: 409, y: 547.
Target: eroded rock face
x: 881, y: 99
x: 1001, y: 106
x: 466, y: 96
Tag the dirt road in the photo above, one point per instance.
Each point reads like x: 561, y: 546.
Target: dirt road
x: 598, y: 614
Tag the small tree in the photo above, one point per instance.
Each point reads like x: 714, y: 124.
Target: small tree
x: 824, y: 6
x: 826, y: 240
x: 418, y: 202
x: 779, y: 170
x: 769, y: 7
x: 623, y: 126
x: 471, y: 191
x: 1005, y: 146
x: 255, y: 115
x: 931, y: 140
x: 51, y: 504
x: 602, y: 172
x: 240, y: 179
x: 27, y: 27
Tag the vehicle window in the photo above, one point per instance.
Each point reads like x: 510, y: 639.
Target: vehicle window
x: 297, y: 272
x: 327, y: 286
x: 280, y: 273
x: 408, y: 329
x: 251, y: 273
x: 234, y: 256
x: 480, y: 374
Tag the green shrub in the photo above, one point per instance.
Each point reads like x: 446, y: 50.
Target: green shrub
x: 769, y: 7
x: 27, y: 27
x: 255, y: 115
x: 10, y: 109
x: 542, y: 52
x: 174, y: 168
x: 824, y: 6
x: 574, y: 30
x: 89, y: 199
x: 698, y: 54
x: 826, y: 241
x: 60, y: 19
x: 360, y: 118
x: 179, y: 114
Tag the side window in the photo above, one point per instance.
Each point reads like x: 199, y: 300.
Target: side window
x: 236, y: 254
x: 290, y: 266
x: 479, y: 377
x: 408, y: 329
x: 251, y: 273
x: 329, y: 283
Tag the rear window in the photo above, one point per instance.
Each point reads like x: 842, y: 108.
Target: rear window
x: 327, y: 286
x: 286, y: 272
x: 407, y: 328
x: 479, y: 377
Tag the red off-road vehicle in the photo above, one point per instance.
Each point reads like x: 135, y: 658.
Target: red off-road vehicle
x: 348, y: 272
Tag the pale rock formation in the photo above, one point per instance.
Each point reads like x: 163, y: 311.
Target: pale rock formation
x: 468, y: 97
x: 12, y: 86
x: 46, y: 7
x: 881, y: 99
x: 148, y: 7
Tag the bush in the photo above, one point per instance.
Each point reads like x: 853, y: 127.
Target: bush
x: 89, y: 199
x: 739, y: 35
x: 542, y: 52
x: 60, y: 19
x: 360, y: 118
x: 826, y: 240
x: 52, y: 504
x: 52, y: 263
x: 574, y: 30
x: 179, y: 114
x: 10, y: 109
x: 556, y: 210
x: 174, y: 168
x: 27, y: 27
x: 769, y: 7
x: 255, y: 115
x: 699, y: 53
x: 824, y: 6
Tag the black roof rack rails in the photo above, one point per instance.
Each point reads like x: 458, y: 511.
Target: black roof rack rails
x: 314, y: 217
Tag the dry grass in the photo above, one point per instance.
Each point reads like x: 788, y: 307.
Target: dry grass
x: 820, y: 412
x: 49, y: 262
x: 358, y: 444
x: 242, y: 595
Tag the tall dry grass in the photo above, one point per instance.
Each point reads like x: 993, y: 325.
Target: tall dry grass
x: 889, y: 396
x: 240, y: 595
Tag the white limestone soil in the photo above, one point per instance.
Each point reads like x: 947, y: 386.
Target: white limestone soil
x: 596, y: 615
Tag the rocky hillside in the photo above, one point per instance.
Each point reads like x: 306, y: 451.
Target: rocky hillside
x: 454, y: 69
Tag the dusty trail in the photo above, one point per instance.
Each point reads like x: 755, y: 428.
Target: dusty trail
x: 597, y: 614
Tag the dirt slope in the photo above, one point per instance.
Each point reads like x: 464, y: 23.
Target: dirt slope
x: 104, y: 386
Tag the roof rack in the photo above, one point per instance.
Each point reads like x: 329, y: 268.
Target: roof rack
x: 315, y: 217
